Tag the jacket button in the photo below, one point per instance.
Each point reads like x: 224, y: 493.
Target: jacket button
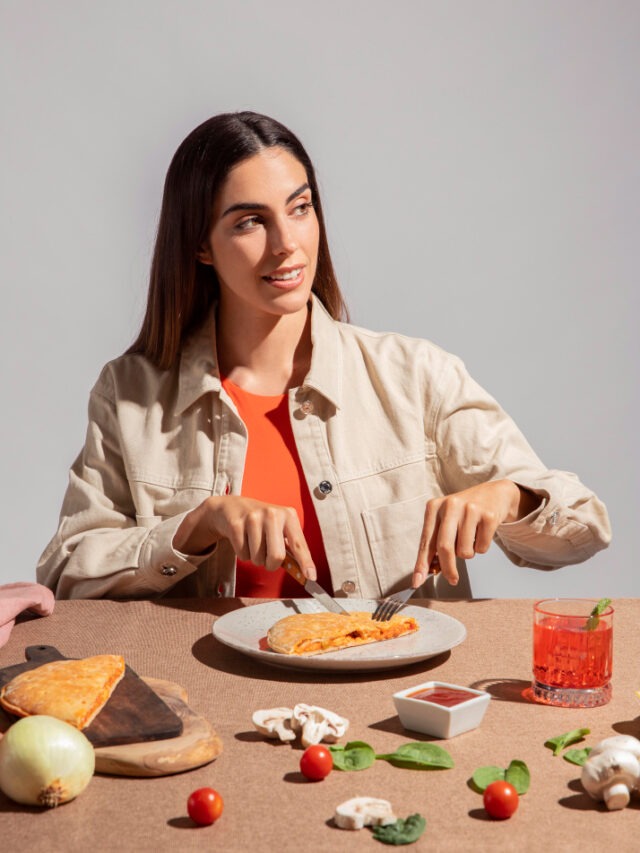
x: 307, y: 407
x: 168, y: 570
x: 553, y: 518
x: 325, y: 487
x: 348, y: 587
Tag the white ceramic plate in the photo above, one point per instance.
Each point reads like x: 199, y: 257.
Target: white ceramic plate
x: 246, y: 631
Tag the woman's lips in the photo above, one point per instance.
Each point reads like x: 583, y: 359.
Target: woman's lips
x: 289, y: 284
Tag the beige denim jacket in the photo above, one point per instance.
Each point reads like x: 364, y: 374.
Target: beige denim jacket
x: 382, y: 423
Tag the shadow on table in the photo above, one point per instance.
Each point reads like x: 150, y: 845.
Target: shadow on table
x: 582, y: 802
x: 505, y: 689
x: 627, y: 727
x: 395, y: 727
x: 479, y: 814
x: 214, y: 654
x: 182, y: 822
x: 215, y: 606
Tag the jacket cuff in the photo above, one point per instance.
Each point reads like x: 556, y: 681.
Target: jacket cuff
x: 161, y: 565
x: 543, y: 536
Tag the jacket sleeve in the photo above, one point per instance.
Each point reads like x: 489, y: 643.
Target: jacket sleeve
x: 98, y: 549
x: 478, y: 442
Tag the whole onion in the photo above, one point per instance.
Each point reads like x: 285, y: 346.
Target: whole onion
x: 44, y: 761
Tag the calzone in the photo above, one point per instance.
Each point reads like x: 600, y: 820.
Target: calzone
x: 317, y: 633
x: 74, y: 691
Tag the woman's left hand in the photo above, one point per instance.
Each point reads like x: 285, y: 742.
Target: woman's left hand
x: 463, y: 524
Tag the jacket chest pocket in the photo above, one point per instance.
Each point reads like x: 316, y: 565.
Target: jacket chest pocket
x: 155, y: 503
x: 393, y: 531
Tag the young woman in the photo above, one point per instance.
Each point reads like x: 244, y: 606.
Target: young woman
x: 248, y: 418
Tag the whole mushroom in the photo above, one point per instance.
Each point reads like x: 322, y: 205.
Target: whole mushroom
x: 627, y: 742
x: 612, y: 771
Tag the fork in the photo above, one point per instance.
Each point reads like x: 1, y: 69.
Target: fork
x: 390, y: 605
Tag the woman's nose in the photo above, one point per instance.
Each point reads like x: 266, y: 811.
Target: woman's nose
x: 282, y: 239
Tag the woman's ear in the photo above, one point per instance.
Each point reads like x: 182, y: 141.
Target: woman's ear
x: 204, y: 255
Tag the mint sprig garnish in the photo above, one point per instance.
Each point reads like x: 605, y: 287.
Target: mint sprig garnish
x: 596, y: 613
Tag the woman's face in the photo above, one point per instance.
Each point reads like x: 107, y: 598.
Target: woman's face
x: 264, y: 224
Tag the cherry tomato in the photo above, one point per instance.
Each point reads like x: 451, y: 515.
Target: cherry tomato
x: 316, y: 762
x: 500, y: 799
x: 205, y: 806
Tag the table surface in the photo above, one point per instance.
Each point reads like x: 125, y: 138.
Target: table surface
x: 269, y: 806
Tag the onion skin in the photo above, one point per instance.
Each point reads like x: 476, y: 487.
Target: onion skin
x: 44, y: 761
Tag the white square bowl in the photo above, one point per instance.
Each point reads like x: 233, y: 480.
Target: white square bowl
x: 429, y: 718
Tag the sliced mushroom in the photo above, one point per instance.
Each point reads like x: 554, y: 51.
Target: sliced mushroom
x: 317, y: 724
x: 611, y: 775
x: 275, y: 722
x: 363, y: 811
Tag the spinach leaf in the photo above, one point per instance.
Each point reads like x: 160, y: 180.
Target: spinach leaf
x: 558, y: 743
x: 516, y: 774
x: 598, y: 610
x: 577, y: 756
x: 484, y: 776
x: 356, y: 755
x: 402, y: 831
x: 419, y: 756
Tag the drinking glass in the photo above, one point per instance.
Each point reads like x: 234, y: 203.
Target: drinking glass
x: 572, y: 653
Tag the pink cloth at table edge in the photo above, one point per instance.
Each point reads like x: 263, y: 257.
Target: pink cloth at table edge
x: 16, y: 597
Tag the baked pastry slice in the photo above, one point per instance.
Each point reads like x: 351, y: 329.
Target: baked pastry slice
x: 74, y: 691
x: 317, y: 633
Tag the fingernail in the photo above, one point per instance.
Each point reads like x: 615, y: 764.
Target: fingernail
x: 310, y: 574
x: 418, y: 578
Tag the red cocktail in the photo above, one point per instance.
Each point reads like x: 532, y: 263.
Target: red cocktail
x: 572, y: 653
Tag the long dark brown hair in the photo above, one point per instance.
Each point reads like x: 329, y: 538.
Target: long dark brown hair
x: 181, y: 289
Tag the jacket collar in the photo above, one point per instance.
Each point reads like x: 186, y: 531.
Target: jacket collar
x: 199, y: 372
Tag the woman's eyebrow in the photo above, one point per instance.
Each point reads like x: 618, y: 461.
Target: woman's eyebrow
x: 254, y: 205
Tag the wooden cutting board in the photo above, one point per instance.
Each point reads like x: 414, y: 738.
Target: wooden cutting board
x: 134, y: 713
x: 197, y: 745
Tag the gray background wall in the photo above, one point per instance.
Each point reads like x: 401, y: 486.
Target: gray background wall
x: 480, y: 174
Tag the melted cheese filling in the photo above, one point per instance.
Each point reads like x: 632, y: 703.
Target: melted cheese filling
x: 378, y: 631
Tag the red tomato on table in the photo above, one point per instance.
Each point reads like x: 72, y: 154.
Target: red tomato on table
x: 316, y: 762
x: 205, y: 806
x: 500, y: 799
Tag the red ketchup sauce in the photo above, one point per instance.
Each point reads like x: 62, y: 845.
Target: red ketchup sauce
x: 447, y: 696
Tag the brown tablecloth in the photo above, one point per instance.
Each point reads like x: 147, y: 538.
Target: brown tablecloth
x: 268, y: 804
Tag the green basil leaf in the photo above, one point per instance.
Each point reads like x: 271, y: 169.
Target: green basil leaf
x: 517, y: 774
x: 558, y: 743
x: 402, y: 831
x: 356, y: 755
x: 577, y: 756
x: 419, y: 756
x: 598, y: 610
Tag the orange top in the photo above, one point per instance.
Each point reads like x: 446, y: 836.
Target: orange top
x: 273, y: 473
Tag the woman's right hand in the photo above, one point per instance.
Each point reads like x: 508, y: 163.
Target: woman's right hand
x: 258, y: 531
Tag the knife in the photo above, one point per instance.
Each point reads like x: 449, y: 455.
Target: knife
x: 290, y: 565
